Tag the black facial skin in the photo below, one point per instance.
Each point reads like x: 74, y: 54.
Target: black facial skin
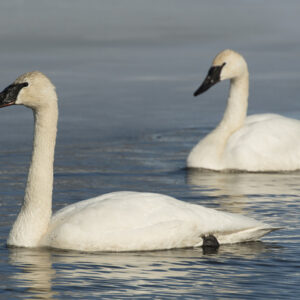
x: 213, y: 77
x: 10, y: 94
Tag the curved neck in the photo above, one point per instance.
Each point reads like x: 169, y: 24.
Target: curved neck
x: 237, y: 104
x: 208, y: 153
x: 33, y: 219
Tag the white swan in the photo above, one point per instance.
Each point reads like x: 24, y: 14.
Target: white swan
x: 264, y: 142
x: 120, y: 221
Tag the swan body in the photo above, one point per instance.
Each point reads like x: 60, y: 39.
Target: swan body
x: 120, y: 221
x: 257, y: 143
x: 124, y: 221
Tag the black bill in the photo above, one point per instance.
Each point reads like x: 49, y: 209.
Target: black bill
x: 10, y: 94
x: 213, y: 77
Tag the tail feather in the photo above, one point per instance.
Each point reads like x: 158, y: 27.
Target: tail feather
x: 250, y: 234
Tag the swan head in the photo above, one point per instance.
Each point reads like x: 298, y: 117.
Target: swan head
x: 32, y: 89
x: 228, y: 64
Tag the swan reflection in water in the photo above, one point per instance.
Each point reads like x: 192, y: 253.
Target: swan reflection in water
x: 47, y: 274
x: 235, y: 190
x: 34, y: 272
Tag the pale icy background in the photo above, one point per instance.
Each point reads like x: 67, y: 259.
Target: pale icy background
x: 129, y: 67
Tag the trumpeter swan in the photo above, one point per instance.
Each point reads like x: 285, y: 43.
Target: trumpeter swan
x: 120, y: 221
x: 263, y: 142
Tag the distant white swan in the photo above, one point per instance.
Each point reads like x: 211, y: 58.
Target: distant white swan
x: 264, y: 142
x: 120, y: 221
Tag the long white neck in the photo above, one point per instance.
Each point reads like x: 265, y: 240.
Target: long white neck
x: 208, y: 152
x: 234, y: 115
x: 237, y: 105
x: 33, y: 219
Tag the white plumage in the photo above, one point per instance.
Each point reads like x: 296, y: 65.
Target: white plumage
x: 263, y: 142
x: 120, y: 221
x: 124, y: 221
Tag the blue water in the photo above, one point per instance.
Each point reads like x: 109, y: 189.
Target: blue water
x: 125, y: 72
